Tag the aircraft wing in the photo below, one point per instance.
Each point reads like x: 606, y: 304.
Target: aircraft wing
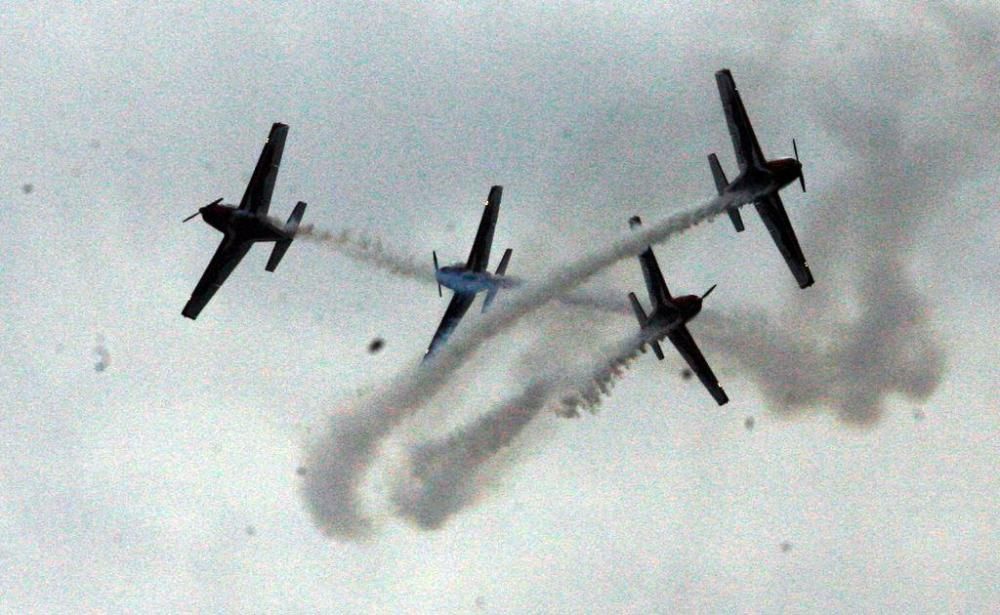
x: 655, y: 284
x: 459, y: 305
x: 744, y: 140
x: 227, y: 256
x: 257, y: 198
x: 479, y: 257
x: 772, y: 212
x: 682, y: 339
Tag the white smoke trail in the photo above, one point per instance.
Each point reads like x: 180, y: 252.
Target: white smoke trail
x: 445, y: 476
x: 602, y: 302
x: 368, y: 249
x: 339, y: 461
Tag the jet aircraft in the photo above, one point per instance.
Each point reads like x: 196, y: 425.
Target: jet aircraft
x: 668, y: 320
x: 245, y: 225
x: 470, y: 278
x: 759, y: 180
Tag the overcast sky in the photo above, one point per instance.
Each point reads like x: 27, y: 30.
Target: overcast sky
x: 148, y: 463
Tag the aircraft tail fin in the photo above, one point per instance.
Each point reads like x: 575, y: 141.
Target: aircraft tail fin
x: 281, y: 246
x: 717, y: 174
x: 720, y: 184
x: 501, y: 270
x: 640, y: 315
x: 502, y: 267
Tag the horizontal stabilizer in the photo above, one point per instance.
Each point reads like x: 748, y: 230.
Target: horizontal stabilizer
x: 717, y: 173
x: 281, y: 246
x: 490, y: 296
x: 502, y: 267
x: 435, y: 254
x: 277, y: 253
x: 501, y: 270
x: 293, y: 220
x: 720, y: 185
x: 640, y: 315
x: 734, y: 215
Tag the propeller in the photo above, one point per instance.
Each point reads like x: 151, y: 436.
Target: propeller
x: 708, y: 292
x: 802, y: 178
x: 436, y: 270
x: 215, y: 202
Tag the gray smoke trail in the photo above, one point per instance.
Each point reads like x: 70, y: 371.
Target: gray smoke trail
x: 597, y: 381
x: 851, y: 368
x: 909, y: 142
x: 338, y: 461
x: 445, y: 476
x: 369, y: 250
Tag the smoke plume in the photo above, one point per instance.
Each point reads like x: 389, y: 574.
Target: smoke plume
x: 339, y: 461
x: 909, y: 110
x: 865, y: 333
x: 444, y: 476
x: 368, y: 249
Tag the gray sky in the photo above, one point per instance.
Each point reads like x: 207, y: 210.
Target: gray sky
x: 874, y: 449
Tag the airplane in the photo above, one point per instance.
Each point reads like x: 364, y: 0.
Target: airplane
x: 668, y: 319
x: 759, y: 180
x: 245, y: 225
x: 470, y: 278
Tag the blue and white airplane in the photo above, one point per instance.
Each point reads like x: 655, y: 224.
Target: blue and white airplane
x: 471, y: 278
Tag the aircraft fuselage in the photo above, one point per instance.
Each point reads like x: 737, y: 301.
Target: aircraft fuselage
x: 756, y: 183
x: 662, y: 321
x: 244, y: 225
x: 461, y: 280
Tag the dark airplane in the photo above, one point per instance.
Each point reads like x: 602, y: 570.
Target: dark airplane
x: 470, y: 278
x: 245, y: 225
x: 759, y: 180
x: 668, y: 319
